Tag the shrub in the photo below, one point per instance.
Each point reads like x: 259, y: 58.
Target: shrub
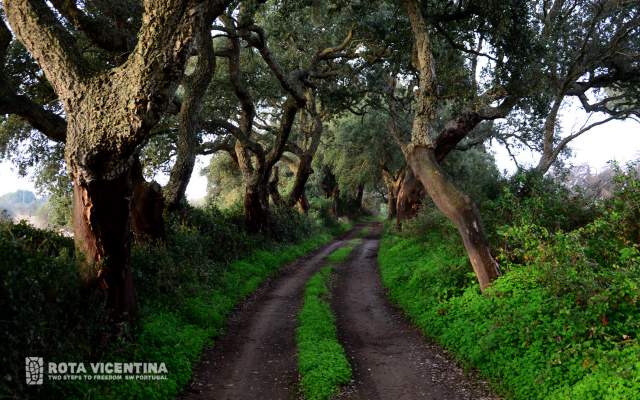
x: 186, y: 286
x: 561, y: 323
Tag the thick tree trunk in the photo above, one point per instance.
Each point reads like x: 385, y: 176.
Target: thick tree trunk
x: 302, y: 174
x: 458, y: 208
x: 101, y: 218
x: 195, y: 86
x: 409, y: 197
x: 110, y: 113
x: 147, y: 207
x: 256, y: 207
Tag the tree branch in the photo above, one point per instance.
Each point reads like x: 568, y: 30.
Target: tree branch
x: 49, y: 43
x: 99, y: 30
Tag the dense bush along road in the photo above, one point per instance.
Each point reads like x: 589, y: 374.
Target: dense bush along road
x: 256, y: 358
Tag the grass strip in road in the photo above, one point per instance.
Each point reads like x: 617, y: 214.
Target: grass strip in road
x: 341, y: 254
x: 322, y: 361
x: 178, y: 337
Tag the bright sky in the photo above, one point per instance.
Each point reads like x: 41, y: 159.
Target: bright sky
x: 616, y: 140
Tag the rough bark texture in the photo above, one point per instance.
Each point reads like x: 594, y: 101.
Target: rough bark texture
x: 273, y: 188
x: 422, y: 158
x: 103, y: 235
x: 393, y: 184
x: 409, y: 197
x: 302, y: 173
x: 109, y: 115
x: 195, y: 85
x: 459, y: 209
x: 256, y: 207
x: 312, y: 128
x: 147, y: 207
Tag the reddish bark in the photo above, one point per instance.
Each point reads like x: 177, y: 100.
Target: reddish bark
x: 409, y: 197
x: 101, y: 221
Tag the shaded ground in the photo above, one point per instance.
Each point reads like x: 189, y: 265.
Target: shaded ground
x: 390, y: 358
x: 256, y: 358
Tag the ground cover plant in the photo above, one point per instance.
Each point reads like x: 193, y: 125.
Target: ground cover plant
x: 562, y: 320
x: 322, y: 362
x: 205, y: 282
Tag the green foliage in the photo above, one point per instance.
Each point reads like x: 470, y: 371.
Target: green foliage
x: 561, y: 323
x: 527, y: 198
x: 186, y: 287
x: 322, y: 362
x: 41, y: 302
x: 224, y: 182
x: 177, y: 333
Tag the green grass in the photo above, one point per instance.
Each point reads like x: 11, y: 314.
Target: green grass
x: 186, y: 288
x: 340, y: 254
x: 322, y: 362
x: 178, y: 337
x: 530, y: 339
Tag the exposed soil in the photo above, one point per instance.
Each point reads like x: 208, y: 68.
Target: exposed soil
x: 256, y: 358
x: 390, y: 358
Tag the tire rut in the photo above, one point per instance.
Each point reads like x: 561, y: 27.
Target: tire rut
x: 256, y: 357
x: 390, y: 358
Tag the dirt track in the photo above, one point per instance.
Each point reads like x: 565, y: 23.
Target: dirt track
x: 256, y: 358
x: 390, y: 358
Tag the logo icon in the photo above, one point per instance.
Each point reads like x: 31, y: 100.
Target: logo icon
x: 34, y: 368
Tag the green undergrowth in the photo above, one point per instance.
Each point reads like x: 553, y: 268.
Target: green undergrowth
x: 322, y: 362
x: 178, y: 337
x: 186, y: 287
x: 561, y: 323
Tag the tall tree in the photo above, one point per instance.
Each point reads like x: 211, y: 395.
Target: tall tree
x: 424, y: 153
x: 590, y: 58
x: 110, y: 112
x: 265, y: 120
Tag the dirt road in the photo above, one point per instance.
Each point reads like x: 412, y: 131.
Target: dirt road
x: 390, y: 358
x: 256, y: 358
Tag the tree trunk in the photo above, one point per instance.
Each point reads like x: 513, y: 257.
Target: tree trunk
x: 147, y: 207
x: 302, y: 173
x: 335, y: 201
x: 273, y: 188
x: 303, y: 204
x: 101, y: 218
x: 195, y: 86
x: 393, y: 187
x: 256, y: 207
x: 460, y: 210
x: 409, y: 197
x: 359, y: 195
x: 391, y: 204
